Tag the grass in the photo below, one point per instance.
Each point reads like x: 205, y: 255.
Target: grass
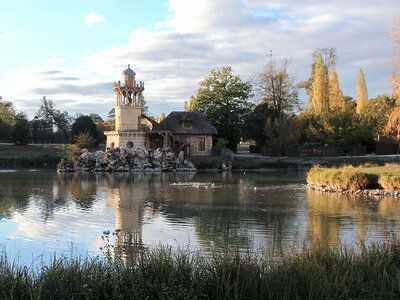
x: 317, y: 272
x: 369, y: 175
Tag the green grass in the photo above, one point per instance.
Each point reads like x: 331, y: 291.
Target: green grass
x: 363, y: 177
x: 317, y: 272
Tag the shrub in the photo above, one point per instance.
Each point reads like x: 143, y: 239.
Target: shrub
x: 21, y: 131
x: 85, y: 140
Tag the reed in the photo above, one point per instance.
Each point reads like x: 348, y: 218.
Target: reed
x: 315, y: 272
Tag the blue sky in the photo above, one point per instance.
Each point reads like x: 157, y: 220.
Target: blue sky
x: 72, y: 51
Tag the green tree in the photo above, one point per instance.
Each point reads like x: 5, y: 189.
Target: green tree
x: 22, y: 130
x: 336, y: 99
x: 42, y: 131
x: 193, y: 104
x: 320, y: 87
x: 276, y: 86
x: 223, y: 97
x: 59, y: 119
x: 362, y: 96
x: 186, y: 106
x: 281, y: 132
x: 84, y: 124
x: 96, y: 118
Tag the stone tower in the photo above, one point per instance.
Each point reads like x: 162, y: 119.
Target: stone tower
x: 128, y: 113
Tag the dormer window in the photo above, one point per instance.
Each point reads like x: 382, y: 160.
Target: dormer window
x: 187, y: 124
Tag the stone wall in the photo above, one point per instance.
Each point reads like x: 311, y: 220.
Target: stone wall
x: 194, y: 144
x: 122, y: 138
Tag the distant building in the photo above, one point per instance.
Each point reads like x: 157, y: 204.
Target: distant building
x: 183, y: 131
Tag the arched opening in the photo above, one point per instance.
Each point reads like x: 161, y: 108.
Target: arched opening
x: 112, y: 145
x: 129, y: 145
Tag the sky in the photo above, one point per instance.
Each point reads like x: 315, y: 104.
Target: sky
x: 72, y: 51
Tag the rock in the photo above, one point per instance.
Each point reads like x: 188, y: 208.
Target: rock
x: 181, y: 156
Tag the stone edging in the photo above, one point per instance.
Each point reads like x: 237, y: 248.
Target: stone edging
x: 333, y: 189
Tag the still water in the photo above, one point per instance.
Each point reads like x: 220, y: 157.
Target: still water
x: 42, y: 212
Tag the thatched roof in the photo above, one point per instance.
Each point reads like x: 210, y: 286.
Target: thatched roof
x: 199, y: 124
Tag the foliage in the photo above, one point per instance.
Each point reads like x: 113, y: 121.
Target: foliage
x: 329, y: 58
x: 96, y: 118
x: 396, y: 63
x: 186, y: 106
x: 84, y: 124
x: 85, y: 140
x: 42, y: 130
x: 60, y: 119
x: 7, y: 116
x: 162, y: 117
x: 336, y: 98
x: 339, y: 128
x: 111, y: 114
x: 392, y: 129
x: 22, y: 130
x: 193, y: 104
x: 218, y: 145
x: 281, y: 132
x: 255, y: 122
x: 320, y: 87
x: 362, y: 96
x: 276, y: 87
x: 223, y: 97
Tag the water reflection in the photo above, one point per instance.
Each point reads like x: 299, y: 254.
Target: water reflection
x: 44, y: 211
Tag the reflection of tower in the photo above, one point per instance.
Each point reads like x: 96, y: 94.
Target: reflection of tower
x: 128, y: 199
x: 128, y: 112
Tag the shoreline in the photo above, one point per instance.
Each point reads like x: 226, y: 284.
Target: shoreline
x: 361, y: 192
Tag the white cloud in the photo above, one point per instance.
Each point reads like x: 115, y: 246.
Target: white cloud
x: 92, y: 18
x: 196, y: 37
x: 6, y: 37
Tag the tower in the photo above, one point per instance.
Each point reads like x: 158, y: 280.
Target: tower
x: 128, y: 113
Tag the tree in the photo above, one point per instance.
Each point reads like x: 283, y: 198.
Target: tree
x: 281, y: 132
x: 7, y: 116
x: 392, y: 128
x: 22, y: 130
x: 96, y: 118
x: 162, y: 117
x: 276, y: 86
x: 84, y: 124
x: 396, y: 62
x: 362, y: 96
x: 193, y: 104
x: 223, y: 97
x: 186, y: 107
x: 320, y: 87
x: 60, y: 119
x: 42, y: 130
x: 336, y: 99
x: 254, y: 122
x: 329, y: 58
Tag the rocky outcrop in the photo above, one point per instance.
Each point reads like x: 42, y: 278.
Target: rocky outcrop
x: 366, y: 192
x: 123, y: 159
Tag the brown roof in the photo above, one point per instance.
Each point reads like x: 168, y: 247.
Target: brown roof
x: 200, y: 125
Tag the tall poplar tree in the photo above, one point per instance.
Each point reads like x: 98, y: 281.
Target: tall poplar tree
x: 362, y: 96
x: 336, y: 99
x: 193, y: 104
x: 396, y: 62
x: 162, y: 117
x: 186, y: 107
x: 320, y: 87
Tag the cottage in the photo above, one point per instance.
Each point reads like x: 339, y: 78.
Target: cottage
x: 183, y: 131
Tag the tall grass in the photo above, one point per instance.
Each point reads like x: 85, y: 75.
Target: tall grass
x: 318, y: 272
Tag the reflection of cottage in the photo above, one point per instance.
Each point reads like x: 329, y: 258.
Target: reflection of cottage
x: 187, y: 131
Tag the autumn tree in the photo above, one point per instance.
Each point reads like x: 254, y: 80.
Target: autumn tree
x: 162, y: 117
x: 362, y: 96
x: 392, y: 129
x: 329, y: 58
x: 84, y: 124
x: 320, y: 87
x: 396, y: 62
x: 223, y: 97
x: 186, y: 106
x: 336, y: 99
x: 193, y: 104
x: 276, y: 87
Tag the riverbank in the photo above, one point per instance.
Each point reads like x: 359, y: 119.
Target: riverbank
x: 319, y: 272
x: 367, y: 179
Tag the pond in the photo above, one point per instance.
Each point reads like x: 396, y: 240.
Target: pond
x: 42, y: 212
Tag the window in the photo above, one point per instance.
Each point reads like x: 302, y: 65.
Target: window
x: 187, y: 124
x: 202, y: 144
x: 129, y: 145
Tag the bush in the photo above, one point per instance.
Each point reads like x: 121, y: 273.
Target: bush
x: 85, y: 140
